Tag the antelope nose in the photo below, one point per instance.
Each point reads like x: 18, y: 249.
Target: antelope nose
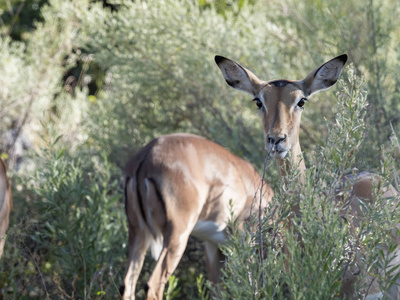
x: 276, y: 140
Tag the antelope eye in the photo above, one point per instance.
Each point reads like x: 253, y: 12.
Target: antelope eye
x: 302, y: 102
x: 258, y: 103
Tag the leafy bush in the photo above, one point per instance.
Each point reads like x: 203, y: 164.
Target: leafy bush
x: 32, y: 89
x: 77, y: 239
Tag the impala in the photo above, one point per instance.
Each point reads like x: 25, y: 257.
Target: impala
x: 178, y: 185
x: 281, y: 103
x: 5, y: 204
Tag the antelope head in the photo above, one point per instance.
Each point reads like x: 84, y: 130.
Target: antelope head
x: 281, y: 102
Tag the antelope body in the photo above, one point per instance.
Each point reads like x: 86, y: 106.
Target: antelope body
x: 178, y: 185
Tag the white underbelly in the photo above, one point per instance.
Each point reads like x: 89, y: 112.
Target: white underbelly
x: 210, y: 231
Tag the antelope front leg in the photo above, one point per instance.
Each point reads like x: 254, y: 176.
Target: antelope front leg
x: 214, y: 261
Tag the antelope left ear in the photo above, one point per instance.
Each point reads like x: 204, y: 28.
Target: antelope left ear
x: 325, y: 76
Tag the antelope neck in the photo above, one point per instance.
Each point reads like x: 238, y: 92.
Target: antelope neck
x: 285, y: 167
x: 285, y: 164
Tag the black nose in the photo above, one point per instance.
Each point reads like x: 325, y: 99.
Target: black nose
x: 277, y: 140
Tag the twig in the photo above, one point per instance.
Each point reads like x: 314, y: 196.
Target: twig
x: 369, y: 286
x: 113, y: 281
x: 15, y: 17
x: 85, y: 67
x: 260, y: 223
x: 40, y: 273
x: 22, y: 123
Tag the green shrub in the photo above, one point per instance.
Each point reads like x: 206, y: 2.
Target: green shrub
x: 76, y: 238
x: 32, y: 72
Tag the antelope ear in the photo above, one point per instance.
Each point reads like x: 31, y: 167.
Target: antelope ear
x: 325, y: 76
x: 238, y: 77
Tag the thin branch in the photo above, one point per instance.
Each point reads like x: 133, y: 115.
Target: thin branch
x: 15, y: 17
x: 259, y: 220
x: 37, y: 267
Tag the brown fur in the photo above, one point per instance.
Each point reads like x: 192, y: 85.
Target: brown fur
x: 173, y: 184
x: 5, y: 204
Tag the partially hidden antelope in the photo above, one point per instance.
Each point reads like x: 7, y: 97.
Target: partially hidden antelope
x: 281, y: 104
x: 5, y: 204
x: 180, y: 185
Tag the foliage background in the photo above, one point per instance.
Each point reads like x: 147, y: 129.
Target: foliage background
x: 90, y: 82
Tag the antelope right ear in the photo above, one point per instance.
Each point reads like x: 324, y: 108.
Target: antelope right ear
x: 238, y: 77
x: 325, y: 76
